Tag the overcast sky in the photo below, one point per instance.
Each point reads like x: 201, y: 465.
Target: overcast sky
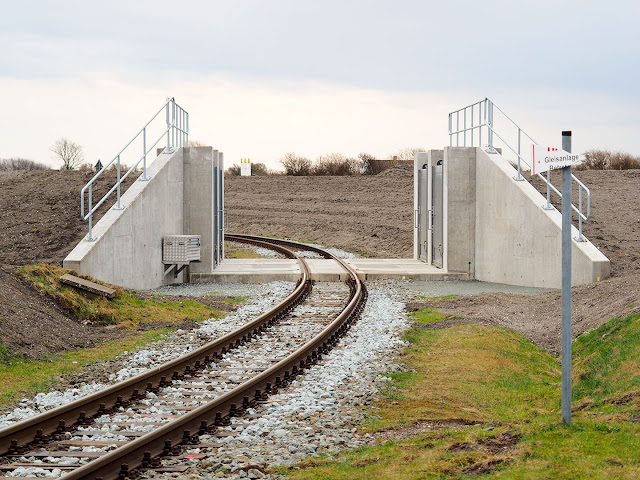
x: 262, y: 78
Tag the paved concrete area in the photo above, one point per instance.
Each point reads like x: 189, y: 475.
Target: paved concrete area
x: 258, y: 270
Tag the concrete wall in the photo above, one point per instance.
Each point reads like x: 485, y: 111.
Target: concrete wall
x: 198, y: 203
x: 496, y: 230
x: 178, y: 199
x: 517, y: 241
x: 459, y: 209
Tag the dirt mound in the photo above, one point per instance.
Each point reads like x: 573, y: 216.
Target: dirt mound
x: 614, y: 226
x: 40, y: 213
x: 397, y: 171
x: 373, y: 215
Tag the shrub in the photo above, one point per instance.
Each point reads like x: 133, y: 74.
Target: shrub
x: 233, y: 170
x: 295, y: 165
x: 8, y: 164
x: 335, y: 164
x: 259, y: 169
x: 407, y: 153
x: 607, y: 160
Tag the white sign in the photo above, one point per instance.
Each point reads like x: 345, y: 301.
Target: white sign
x: 550, y: 158
x: 245, y: 167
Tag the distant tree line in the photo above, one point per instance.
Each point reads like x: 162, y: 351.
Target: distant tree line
x: 608, y: 160
x: 340, y: 165
x: 9, y: 164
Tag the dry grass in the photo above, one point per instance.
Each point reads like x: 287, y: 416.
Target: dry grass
x: 125, y: 311
x: 468, y: 374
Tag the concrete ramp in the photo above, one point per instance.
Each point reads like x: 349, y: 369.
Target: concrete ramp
x: 178, y: 199
x: 496, y: 228
x: 517, y: 241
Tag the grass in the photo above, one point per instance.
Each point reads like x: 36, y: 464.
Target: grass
x: 492, y: 400
x: 235, y: 300
x: 242, y: 253
x: 441, y: 297
x: 124, y: 311
x: 428, y: 315
x: 20, y: 377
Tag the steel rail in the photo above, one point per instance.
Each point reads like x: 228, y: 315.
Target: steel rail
x: 164, y: 439
x: 61, y: 418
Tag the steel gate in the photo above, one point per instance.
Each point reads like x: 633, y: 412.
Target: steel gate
x: 429, y: 216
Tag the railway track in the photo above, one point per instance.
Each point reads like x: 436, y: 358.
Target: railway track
x: 119, y: 431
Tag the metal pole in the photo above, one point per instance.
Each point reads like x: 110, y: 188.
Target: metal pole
x: 187, y: 134
x: 480, y: 123
x: 491, y: 125
x: 464, y: 136
x: 168, y: 129
x: 144, y: 148
x: 118, y: 206
x: 472, y: 125
x: 580, y: 237
x: 566, y: 284
x: 90, y: 238
x: 519, y: 177
x: 548, y: 205
x: 173, y: 123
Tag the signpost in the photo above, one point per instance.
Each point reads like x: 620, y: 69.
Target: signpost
x: 550, y: 158
x: 566, y: 278
x: 546, y: 159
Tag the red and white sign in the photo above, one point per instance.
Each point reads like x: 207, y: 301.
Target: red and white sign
x: 550, y: 158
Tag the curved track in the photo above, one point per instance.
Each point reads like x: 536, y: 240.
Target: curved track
x: 206, y: 406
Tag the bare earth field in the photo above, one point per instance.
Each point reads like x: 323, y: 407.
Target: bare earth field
x: 373, y: 215
x: 39, y: 220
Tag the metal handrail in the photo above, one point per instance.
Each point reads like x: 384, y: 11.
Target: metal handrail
x: 483, y: 112
x: 177, y: 133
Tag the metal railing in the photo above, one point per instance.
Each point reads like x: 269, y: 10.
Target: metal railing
x: 478, y: 118
x: 177, y: 135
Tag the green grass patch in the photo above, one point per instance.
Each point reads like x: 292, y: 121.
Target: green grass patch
x: 242, y: 253
x: 20, y: 377
x: 235, y: 300
x: 441, y: 297
x: 494, y: 376
x: 125, y: 310
x: 428, y: 315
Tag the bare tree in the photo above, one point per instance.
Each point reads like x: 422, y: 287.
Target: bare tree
x: 335, y: 164
x: 7, y: 164
x: 294, y: 165
x: 233, y: 170
x: 70, y: 153
x: 407, y: 153
x: 366, y: 163
x: 196, y: 143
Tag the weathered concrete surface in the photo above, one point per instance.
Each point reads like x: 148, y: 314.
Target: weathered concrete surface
x: 495, y: 228
x: 517, y: 241
x: 259, y: 270
x: 128, y: 246
x: 460, y: 209
x: 198, y: 203
x: 178, y: 199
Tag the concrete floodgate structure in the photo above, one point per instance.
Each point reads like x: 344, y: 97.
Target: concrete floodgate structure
x: 476, y: 218
x: 182, y: 196
x: 494, y: 228
x: 483, y: 225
